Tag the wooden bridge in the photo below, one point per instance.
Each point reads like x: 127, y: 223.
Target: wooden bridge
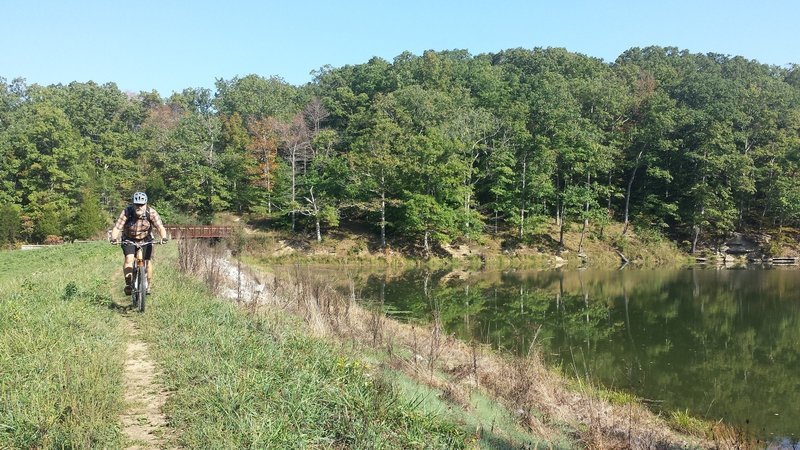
x: 198, y: 231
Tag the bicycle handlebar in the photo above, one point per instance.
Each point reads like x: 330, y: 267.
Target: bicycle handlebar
x: 139, y: 244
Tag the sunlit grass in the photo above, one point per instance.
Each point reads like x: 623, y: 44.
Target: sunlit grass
x: 239, y: 380
x: 617, y: 397
x: 60, y: 350
x: 687, y: 423
x: 235, y: 380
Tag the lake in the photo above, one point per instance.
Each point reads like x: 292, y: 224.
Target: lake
x: 722, y: 344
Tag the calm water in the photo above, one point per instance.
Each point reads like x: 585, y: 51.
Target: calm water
x: 724, y: 344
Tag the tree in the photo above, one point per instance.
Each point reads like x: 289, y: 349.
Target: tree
x: 295, y: 143
x: 263, y: 149
x: 375, y: 159
x: 10, y: 224
x: 326, y: 183
x: 52, y: 159
x: 238, y: 169
x: 89, y: 217
x: 188, y: 166
x: 424, y: 216
x: 472, y: 132
x: 255, y: 97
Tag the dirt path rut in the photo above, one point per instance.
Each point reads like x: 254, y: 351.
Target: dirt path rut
x: 143, y: 423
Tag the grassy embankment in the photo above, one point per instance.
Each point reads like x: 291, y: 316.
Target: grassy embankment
x: 604, y: 249
x: 588, y: 414
x: 235, y: 378
x: 241, y: 379
x: 248, y: 378
x: 527, y: 394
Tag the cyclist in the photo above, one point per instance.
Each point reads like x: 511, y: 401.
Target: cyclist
x: 137, y: 221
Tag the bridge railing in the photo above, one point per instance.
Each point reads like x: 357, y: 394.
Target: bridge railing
x: 198, y: 231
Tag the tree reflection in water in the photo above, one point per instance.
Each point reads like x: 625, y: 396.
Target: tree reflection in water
x: 721, y: 343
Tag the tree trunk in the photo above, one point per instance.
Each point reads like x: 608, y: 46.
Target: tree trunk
x: 268, y: 176
x: 294, y: 187
x: 315, y: 207
x: 771, y: 188
x: 561, y: 221
x: 522, y: 198
x: 383, y: 219
x: 696, y: 236
x: 628, y: 193
x: 586, y: 215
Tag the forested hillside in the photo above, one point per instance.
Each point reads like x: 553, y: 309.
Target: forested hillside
x: 437, y: 147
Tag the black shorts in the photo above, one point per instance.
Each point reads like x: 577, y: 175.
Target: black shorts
x: 130, y: 249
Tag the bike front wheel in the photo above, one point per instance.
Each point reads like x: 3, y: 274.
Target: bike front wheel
x: 135, y: 290
x: 141, y: 289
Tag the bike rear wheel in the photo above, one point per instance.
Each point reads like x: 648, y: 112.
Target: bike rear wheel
x: 141, y: 289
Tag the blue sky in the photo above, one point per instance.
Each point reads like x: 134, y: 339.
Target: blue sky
x: 171, y: 45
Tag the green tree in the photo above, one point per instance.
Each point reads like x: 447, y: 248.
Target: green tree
x: 47, y: 222
x: 237, y: 168
x: 52, y: 160
x: 89, y: 217
x: 255, y: 97
x: 376, y: 158
x: 10, y: 224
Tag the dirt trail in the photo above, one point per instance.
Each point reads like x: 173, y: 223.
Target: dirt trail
x: 143, y: 423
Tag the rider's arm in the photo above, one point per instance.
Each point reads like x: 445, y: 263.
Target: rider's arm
x: 159, y: 224
x: 117, y: 230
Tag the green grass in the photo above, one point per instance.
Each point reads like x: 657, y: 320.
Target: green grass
x: 490, y: 424
x: 60, y: 349
x: 493, y: 425
x: 235, y: 380
x: 257, y: 381
x: 685, y: 422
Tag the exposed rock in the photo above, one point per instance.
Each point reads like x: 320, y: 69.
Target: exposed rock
x: 740, y: 244
x: 559, y: 262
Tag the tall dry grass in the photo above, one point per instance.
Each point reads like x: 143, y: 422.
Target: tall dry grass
x: 536, y: 394
x: 241, y: 376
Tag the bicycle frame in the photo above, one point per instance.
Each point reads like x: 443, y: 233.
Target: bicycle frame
x: 139, y: 275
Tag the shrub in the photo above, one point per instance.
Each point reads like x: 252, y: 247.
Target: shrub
x: 53, y: 239
x: 10, y: 224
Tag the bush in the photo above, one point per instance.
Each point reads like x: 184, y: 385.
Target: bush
x: 48, y: 224
x: 89, y: 218
x: 10, y: 224
x: 171, y: 215
x: 53, y: 239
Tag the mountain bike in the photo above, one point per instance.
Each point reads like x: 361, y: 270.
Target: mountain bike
x: 139, y: 275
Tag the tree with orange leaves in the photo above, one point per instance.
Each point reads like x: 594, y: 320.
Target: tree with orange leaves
x: 263, y: 147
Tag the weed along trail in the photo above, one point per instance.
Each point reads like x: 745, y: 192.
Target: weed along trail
x: 143, y: 423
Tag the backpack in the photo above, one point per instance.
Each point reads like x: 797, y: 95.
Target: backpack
x: 130, y: 213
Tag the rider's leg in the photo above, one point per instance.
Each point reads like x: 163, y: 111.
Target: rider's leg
x: 149, y: 274
x: 148, y: 255
x: 127, y: 270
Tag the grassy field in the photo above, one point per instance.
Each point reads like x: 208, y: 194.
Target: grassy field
x: 60, y: 349
x: 234, y: 379
x: 246, y: 380
x: 239, y: 377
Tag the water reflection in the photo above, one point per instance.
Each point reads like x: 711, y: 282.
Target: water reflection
x: 722, y: 344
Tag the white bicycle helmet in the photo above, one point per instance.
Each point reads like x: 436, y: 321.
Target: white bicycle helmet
x: 139, y: 198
